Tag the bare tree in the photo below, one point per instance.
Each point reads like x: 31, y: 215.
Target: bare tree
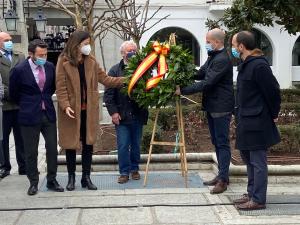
x: 81, y: 11
x: 130, y: 21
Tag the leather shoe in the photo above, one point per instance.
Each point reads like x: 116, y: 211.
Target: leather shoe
x: 250, y: 205
x: 220, y: 187
x: 86, y: 182
x: 213, y: 182
x: 243, y: 199
x: 71, y: 182
x: 54, y: 186
x: 4, y: 173
x: 22, y: 172
x: 123, y: 179
x: 32, y: 190
x: 135, y: 175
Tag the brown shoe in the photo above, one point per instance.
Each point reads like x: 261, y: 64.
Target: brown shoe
x: 220, y: 187
x: 123, y: 179
x: 243, y: 199
x: 250, y: 205
x: 135, y: 175
x: 212, y: 182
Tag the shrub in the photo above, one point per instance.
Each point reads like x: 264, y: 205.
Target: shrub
x: 290, y: 139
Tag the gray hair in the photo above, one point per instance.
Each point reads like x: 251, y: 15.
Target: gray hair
x: 125, y: 44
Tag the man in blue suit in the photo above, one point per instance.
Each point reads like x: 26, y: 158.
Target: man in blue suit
x: 32, y: 84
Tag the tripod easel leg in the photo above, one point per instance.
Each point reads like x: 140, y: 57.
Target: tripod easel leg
x: 183, y: 147
x: 151, y: 147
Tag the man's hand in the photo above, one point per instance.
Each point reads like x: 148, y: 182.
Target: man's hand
x: 177, y: 92
x: 116, y: 118
x: 70, y: 112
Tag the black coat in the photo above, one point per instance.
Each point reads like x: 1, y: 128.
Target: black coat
x: 216, y: 83
x: 257, y: 105
x: 117, y: 102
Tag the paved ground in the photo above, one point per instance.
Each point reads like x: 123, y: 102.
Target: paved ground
x: 140, y: 206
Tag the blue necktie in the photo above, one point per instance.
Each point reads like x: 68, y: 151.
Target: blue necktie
x: 7, y: 55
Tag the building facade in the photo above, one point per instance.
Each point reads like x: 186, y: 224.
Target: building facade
x: 186, y: 18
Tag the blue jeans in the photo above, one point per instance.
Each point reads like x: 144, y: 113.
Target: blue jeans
x: 219, y: 132
x: 128, y: 141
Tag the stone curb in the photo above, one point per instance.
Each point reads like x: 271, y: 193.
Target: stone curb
x: 191, y: 158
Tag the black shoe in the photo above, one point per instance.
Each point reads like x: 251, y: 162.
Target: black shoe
x: 4, y: 173
x: 71, y: 182
x: 54, y: 186
x: 87, y: 183
x: 32, y: 190
x: 22, y: 172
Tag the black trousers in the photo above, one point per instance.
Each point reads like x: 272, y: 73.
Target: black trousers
x: 10, y: 123
x: 87, y: 151
x: 31, y: 137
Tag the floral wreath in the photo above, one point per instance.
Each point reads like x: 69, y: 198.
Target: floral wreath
x: 153, y: 84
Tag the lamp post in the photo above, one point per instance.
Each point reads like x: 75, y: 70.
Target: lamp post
x: 40, y: 21
x: 11, y: 20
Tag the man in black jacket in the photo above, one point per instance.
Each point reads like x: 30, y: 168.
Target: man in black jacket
x: 216, y: 83
x: 128, y: 118
x: 257, y: 108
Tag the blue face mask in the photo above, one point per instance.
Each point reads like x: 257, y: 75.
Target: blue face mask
x: 40, y: 61
x: 130, y: 54
x: 8, y: 46
x: 235, y: 53
x: 209, y: 47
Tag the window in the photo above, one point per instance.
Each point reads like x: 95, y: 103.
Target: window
x: 183, y: 37
x: 263, y: 43
x: 296, y: 53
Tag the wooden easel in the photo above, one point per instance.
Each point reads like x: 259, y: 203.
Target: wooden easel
x: 181, y: 143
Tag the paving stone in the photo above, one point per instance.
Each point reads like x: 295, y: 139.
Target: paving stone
x: 116, y: 216
x: 8, y: 217
x: 183, y: 215
x: 49, y: 217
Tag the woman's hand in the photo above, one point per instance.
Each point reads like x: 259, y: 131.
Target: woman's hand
x: 69, y: 111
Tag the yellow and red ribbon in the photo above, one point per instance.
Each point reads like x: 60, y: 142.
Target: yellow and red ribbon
x: 160, y: 52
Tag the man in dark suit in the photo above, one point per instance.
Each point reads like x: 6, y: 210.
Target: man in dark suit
x: 257, y: 108
x: 8, y: 60
x: 216, y: 83
x: 32, y: 84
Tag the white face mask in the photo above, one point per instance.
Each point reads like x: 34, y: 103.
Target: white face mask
x: 86, y: 49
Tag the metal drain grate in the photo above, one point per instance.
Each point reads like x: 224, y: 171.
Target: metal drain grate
x: 276, y: 205
x: 155, y: 180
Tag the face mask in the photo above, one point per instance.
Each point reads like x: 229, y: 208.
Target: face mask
x: 209, y: 47
x: 235, y: 53
x: 8, y: 46
x: 40, y: 61
x: 86, y: 49
x: 130, y: 54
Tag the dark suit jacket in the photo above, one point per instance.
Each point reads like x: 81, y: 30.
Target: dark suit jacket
x: 257, y: 105
x: 5, y: 68
x: 216, y: 83
x: 24, y: 90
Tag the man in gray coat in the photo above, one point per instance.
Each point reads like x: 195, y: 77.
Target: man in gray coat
x: 8, y: 59
x: 1, y: 133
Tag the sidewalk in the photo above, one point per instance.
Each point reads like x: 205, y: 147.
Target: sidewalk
x: 140, y: 206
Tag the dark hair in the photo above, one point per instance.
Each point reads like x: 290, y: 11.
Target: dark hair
x: 36, y: 43
x: 246, y: 38
x: 71, y: 49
